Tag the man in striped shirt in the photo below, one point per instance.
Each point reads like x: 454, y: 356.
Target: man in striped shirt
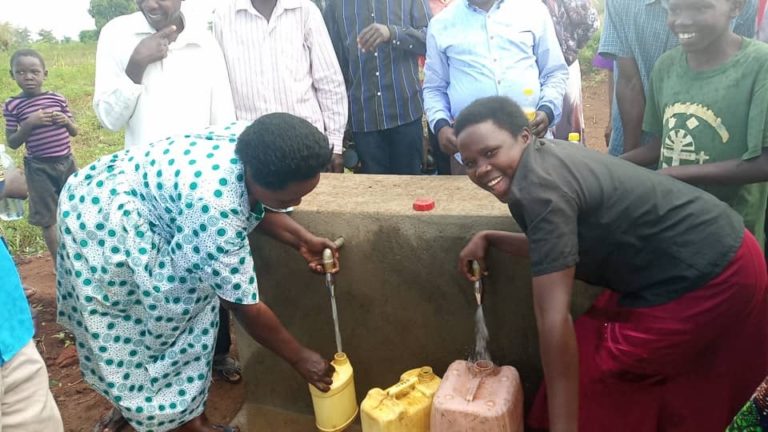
x: 280, y: 59
x: 378, y: 43
x: 41, y: 120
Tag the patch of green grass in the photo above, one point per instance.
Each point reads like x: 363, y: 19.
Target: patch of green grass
x: 71, y: 73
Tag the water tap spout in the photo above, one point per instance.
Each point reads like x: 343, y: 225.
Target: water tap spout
x: 478, y: 283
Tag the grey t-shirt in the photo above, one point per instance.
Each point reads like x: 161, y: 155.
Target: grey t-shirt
x: 644, y: 235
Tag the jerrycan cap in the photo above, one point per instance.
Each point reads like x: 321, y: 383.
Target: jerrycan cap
x: 339, y: 359
x: 423, y: 204
x: 426, y: 375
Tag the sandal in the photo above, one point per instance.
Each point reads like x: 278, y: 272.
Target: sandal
x: 113, y: 421
x: 228, y: 369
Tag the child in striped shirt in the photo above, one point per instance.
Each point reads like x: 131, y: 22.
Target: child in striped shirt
x: 41, y: 120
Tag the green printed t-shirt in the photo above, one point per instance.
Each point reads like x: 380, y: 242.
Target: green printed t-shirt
x: 713, y: 116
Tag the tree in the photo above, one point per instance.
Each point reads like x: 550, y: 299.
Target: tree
x: 46, y: 36
x: 6, y: 36
x: 104, y: 10
x: 88, y: 36
x: 22, y: 36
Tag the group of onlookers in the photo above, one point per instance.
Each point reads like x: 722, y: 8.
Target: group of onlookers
x: 351, y: 69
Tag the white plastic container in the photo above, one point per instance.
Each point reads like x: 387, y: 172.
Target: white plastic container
x: 10, y: 208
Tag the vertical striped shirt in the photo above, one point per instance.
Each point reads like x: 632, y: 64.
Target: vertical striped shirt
x: 383, y: 86
x: 284, y: 64
x: 44, y: 141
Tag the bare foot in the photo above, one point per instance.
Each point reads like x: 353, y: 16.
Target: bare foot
x: 112, y: 421
x: 201, y: 424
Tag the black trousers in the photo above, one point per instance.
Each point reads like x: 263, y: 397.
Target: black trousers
x: 223, y: 339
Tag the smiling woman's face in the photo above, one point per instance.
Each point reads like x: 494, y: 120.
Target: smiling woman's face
x: 491, y: 155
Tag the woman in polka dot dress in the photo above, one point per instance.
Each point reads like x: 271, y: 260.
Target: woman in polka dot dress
x: 154, y: 238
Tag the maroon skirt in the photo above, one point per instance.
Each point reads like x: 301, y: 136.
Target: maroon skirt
x: 686, y: 365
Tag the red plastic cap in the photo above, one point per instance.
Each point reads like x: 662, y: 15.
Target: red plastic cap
x: 424, y: 204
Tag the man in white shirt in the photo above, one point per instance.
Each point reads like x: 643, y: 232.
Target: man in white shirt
x: 159, y: 73
x: 280, y: 59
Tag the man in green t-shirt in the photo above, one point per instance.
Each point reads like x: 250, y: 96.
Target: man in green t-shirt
x: 707, y: 108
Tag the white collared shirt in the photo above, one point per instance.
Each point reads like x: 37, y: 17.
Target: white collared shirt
x: 286, y: 64
x: 187, y: 90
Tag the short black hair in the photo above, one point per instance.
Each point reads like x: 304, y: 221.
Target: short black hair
x: 501, y: 110
x: 26, y: 52
x: 279, y: 149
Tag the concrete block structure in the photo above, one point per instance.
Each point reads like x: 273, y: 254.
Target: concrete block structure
x: 402, y: 303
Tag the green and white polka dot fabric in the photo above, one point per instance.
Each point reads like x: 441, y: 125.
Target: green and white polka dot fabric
x: 150, y: 238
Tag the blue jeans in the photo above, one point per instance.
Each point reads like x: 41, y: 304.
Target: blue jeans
x: 391, y: 151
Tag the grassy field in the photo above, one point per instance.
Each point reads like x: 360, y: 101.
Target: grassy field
x: 70, y: 73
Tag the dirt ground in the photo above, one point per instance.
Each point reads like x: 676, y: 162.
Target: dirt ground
x: 81, y: 407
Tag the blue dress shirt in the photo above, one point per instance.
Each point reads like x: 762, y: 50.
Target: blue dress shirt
x: 16, y: 326
x: 511, y: 50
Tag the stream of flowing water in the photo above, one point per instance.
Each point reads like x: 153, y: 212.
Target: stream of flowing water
x: 481, y: 336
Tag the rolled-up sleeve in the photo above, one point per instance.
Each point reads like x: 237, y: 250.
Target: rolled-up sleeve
x: 436, y: 79
x: 328, y: 79
x: 115, y: 96
x: 553, y: 71
x: 412, y: 38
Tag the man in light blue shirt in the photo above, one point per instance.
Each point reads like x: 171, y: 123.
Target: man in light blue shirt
x: 479, y: 48
x: 26, y: 403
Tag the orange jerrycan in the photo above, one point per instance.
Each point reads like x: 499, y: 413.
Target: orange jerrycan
x: 404, y: 407
x: 478, y: 397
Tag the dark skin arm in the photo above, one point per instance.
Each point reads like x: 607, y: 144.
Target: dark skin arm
x: 284, y: 229
x: 630, y: 98
x: 151, y: 49
x: 265, y: 328
x: 19, y: 136
x: 60, y: 118
x: 515, y: 244
x: 730, y: 172
x: 540, y: 124
x: 647, y: 155
x: 557, y: 344
x: 557, y: 339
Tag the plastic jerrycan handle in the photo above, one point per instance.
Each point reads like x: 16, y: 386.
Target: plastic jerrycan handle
x: 328, y: 263
x: 398, y: 389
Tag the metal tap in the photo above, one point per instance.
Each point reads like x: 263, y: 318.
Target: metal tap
x: 478, y: 283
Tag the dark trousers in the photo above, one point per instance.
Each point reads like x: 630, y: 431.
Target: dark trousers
x: 442, y: 160
x: 391, y: 151
x: 223, y: 339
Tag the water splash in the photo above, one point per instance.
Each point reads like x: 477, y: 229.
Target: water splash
x: 481, y: 336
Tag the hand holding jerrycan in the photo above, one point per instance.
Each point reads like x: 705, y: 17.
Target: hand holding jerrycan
x: 336, y: 409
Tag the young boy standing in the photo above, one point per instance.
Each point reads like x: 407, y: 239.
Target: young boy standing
x: 41, y: 120
x: 707, y: 109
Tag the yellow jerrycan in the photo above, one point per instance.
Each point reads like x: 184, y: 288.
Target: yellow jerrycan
x: 336, y: 409
x: 404, y: 407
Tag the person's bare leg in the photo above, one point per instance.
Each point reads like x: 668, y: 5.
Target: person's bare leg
x: 201, y: 424
x: 51, y: 237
